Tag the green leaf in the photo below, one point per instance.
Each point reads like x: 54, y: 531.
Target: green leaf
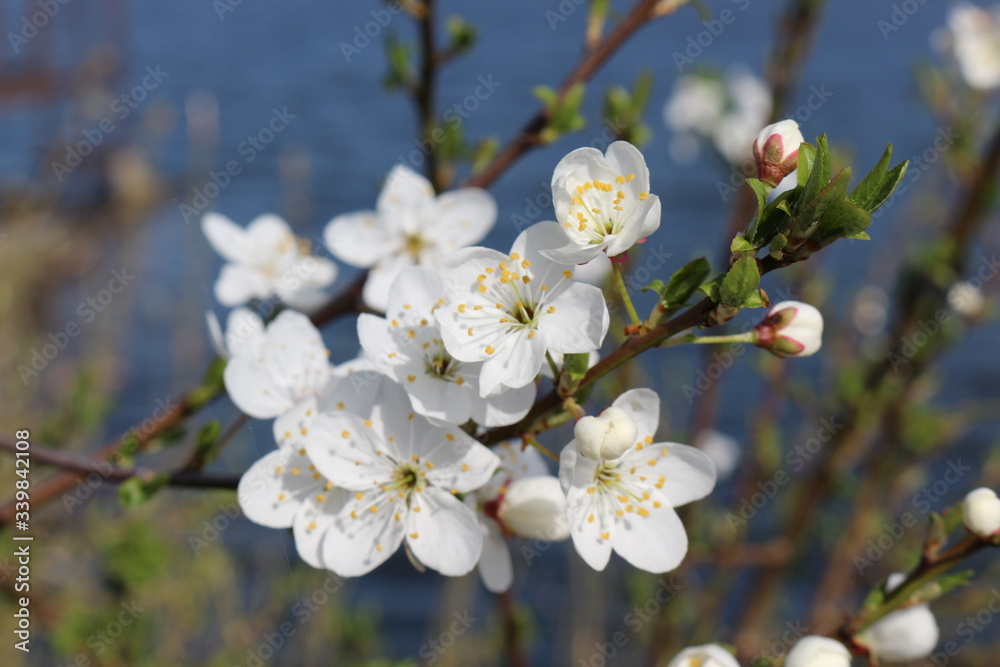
x: 483, y: 153
x: 807, y: 157
x: 741, y: 280
x: 878, y: 185
x: 576, y: 365
x: 548, y: 96
x: 762, y: 191
x: 809, y: 212
x: 136, y: 490
x: 398, y: 55
x: 713, y: 286
x: 757, y: 299
x: 842, y: 220
x: 778, y: 244
x: 204, y: 443
x: 819, y: 174
x: 740, y: 244
x: 461, y: 34
x: 685, y: 282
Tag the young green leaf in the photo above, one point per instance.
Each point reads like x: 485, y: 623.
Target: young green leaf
x: 740, y: 282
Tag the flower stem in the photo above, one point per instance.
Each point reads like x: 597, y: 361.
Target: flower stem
x: 552, y: 365
x: 691, y: 339
x: 616, y: 270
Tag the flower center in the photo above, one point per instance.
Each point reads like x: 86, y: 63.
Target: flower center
x: 414, y: 245
x: 519, y: 302
x: 440, y: 364
x: 598, y: 208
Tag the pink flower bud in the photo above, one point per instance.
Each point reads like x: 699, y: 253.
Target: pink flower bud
x: 791, y: 329
x: 776, y: 151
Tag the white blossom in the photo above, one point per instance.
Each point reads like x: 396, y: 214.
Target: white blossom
x: 410, y: 226
x: 602, y: 203
x: 266, y: 260
x: 727, y: 112
x: 284, y: 489
x: 407, y: 346
x: 508, y: 310
x: 975, y: 42
x: 403, y: 472
x: 288, y: 365
x: 627, y: 504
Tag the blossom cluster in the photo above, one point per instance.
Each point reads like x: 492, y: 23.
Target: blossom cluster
x: 381, y: 452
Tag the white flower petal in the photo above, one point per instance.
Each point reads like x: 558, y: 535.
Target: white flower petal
x: 270, y: 236
x: 405, y: 190
x: 358, y: 239
x: 271, y: 492
x: 317, y: 516
x: 443, y: 534
x: 643, y: 405
x: 508, y: 407
x: 625, y: 159
x: 294, y: 354
x: 590, y: 526
x: 238, y: 284
x: 226, y: 237
x: 360, y: 540
x: 254, y: 391
x: 578, y: 323
x: 380, y: 280
x: 291, y: 427
x: 654, y: 543
x: 439, y: 399
x: 495, y: 566
x: 464, y: 217
x: 461, y: 464
x: 690, y: 473
x: 345, y: 451
x: 416, y: 290
x: 244, y: 333
x: 515, y: 363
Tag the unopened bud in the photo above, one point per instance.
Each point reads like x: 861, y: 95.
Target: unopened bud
x: 981, y: 512
x: 606, y: 436
x: 791, y: 329
x: 816, y: 651
x: 535, y: 508
x: 776, y: 151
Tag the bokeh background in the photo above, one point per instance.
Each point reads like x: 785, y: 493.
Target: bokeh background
x: 226, y: 68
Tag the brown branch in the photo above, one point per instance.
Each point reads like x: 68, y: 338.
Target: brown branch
x: 82, y: 466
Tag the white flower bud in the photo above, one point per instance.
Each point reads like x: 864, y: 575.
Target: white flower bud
x: 816, y: 651
x: 791, y: 329
x: 606, y: 436
x: 535, y: 507
x: 904, y: 635
x: 981, y: 512
x: 707, y: 655
x: 776, y: 150
x: 966, y: 299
